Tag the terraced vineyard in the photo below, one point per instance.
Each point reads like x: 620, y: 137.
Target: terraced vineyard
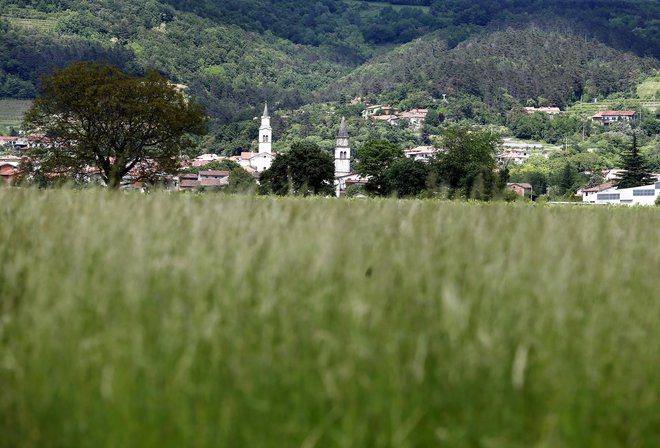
x: 11, y: 113
x: 31, y: 23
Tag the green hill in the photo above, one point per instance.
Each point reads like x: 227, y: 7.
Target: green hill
x: 235, y: 54
x: 512, y: 65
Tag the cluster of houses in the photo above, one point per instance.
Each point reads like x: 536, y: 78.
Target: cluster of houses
x: 257, y: 162
x: 392, y: 115
x: 603, y: 117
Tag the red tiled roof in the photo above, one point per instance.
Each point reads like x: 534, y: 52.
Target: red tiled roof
x: 615, y: 113
x: 356, y: 182
x: 526, y: 186
x: 248, y: 155
x: 598, y: 188
x: 188, y: 183
x: 214, y: 173
x: 8, y: 170
x: 415, y: 113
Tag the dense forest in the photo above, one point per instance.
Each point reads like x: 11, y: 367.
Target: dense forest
x: 526, y: 66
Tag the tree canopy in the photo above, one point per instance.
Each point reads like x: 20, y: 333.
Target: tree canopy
x: 375, y: 158
x: 468, y: 165
x: 304, y: 169
x: 93, y: 114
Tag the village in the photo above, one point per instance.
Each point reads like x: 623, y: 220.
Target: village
x: 511, y: 152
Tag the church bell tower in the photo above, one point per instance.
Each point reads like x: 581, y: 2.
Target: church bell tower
x: 342, y: 151
x: 265, y: 133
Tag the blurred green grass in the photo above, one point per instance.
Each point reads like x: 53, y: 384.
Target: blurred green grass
x: 182, y: 320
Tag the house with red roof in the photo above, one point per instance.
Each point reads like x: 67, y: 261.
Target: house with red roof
x: 608, y: 117
x: 591, y: 194
x: 521, y: 189
x: 209, y: 179
x: 8, y: 173
x: 415, y: 117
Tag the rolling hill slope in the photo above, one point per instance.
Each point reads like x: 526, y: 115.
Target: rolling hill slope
x: 516, y: 64
x: 235, y: 54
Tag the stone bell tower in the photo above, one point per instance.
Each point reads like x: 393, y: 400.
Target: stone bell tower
x: 265, y: 133
x: 342, y: 151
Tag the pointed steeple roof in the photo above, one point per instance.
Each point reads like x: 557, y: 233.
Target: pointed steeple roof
x: 343, y: 130
x: 265, y: 110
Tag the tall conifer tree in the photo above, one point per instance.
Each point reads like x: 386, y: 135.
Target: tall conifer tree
x: 635, y: 171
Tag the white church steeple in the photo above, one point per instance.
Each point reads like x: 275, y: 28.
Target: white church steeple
x: 265, y: 133
x: 342, y: 151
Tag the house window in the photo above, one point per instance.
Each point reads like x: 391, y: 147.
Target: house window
x: 609, y: 197
x: 643, y: 192
x: 657, y: 186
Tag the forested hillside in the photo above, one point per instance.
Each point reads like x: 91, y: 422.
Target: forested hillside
x: 235, y: 54
x: 543, y: 68
x: 628, y: 24
x: 228, y: 69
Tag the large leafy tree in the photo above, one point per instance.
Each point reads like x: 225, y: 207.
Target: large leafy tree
x: 468, y: 165
x: 94, y: 115
x: 376, y: 157
x: 635, y: 171
x: 241, y: 182
x: 407, y: 177
x: 304, y: 169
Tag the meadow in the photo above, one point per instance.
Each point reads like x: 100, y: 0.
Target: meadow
x: 182, y: 320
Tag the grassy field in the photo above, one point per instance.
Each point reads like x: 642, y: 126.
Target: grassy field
x: 11, y: 113
x: 649, y: 88
x: 180, y: 320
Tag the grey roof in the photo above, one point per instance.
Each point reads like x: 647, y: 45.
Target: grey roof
x: 343, y: 130
x: 265, y: 110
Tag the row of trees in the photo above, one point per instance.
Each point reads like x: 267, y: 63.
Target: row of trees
x: 467, y: 169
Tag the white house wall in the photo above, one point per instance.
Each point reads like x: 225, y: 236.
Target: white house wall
x: 644, y: 195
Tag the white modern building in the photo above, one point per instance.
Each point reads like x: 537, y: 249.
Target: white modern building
x: 643, y: 195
